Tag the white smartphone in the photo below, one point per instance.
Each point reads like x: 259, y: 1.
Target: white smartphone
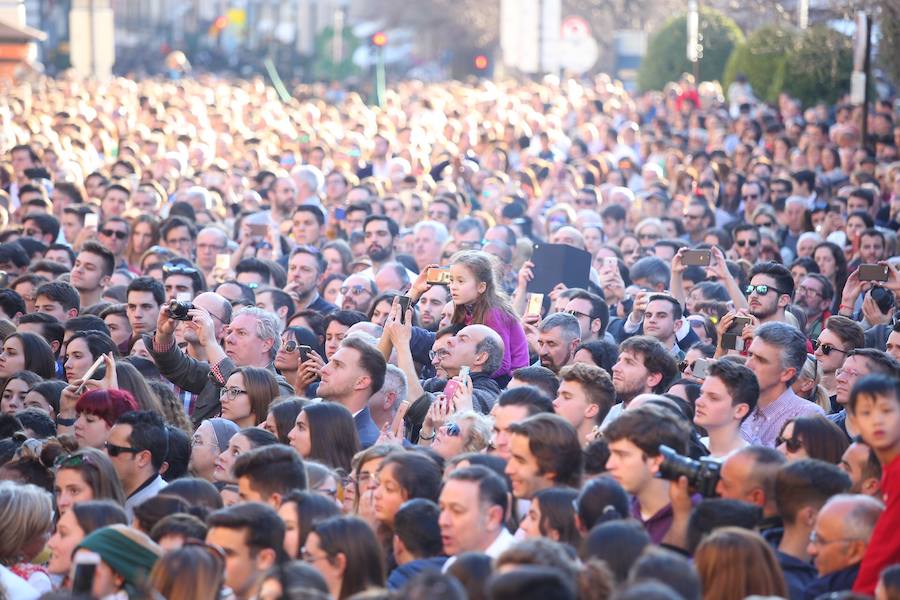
x: 90, y: 372
x: 91, y: 220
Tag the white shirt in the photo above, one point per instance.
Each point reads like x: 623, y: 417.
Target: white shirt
x: 500, y: 544
x: 145, y: 493
x: 15, y: 586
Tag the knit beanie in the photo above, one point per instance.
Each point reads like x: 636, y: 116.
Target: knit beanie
x: 128, y: 552
x: 223, y: 430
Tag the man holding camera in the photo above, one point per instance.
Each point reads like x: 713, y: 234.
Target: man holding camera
x: 251, y: 339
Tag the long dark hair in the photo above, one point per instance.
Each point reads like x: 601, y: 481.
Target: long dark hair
x: 353, y: 538
x: 311, y: 508
x: 285, y: 411
x: 39, y: 358
x: 558, y: 514
x: 840, y: 269
x: 94, y: 514
x: 333, y: 436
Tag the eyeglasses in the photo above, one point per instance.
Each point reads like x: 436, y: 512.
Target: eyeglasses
x: 762, y: 289
x: 452, y: 430
x: 69, y: 461
x: 114, y: 233
x: 848, y: 372
x: 648, y: 236
x: 356, y: 290
x: 197, y: 441
x: 290, y: 346
x: 231, y: 392
x: 751, y: 243
x: 114, y: 450
x: 434, y: 354
x: 683, y: 365
x: 765, y: 224
x: 750, y: 196
x: 177, y: 269
x: 816, y: 540
x: 577, y: 314
x: 807, y: 290
x: 792, y: 444
x: 585, y: 202
x: 692, y: 217
x: 308, y: 557
x: 470, y: 245
x: 826, y: 348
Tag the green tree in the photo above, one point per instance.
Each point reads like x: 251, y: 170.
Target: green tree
x: 818, y: 69
x: 761, y: 58
x: 666, y: 57
x: 324, y: 68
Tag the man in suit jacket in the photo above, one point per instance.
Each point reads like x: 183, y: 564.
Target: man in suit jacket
x: 351, y: 376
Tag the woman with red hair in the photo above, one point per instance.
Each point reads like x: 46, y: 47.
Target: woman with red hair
x: 98, y: 411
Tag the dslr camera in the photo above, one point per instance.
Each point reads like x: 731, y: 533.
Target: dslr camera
x: 702, y: 475
x: 178, y: 310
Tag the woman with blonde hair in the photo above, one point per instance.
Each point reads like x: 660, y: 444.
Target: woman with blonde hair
x: 734, y: 563
x: 466, y: 431
x: 193, y: 572
x: 808, y: 384
x: 26, y: 512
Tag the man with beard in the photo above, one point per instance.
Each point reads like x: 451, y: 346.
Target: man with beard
x: 430, y: 304
x: 747, y: 242
x: 645, y: 366
x: 814, y: 295
x: 357, y: 293
x: 559, y: 335
x: 304, y: 269
x: 380, y: 234
x: 283, y: 195
x: 770, y: 291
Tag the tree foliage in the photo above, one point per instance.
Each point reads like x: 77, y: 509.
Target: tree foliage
x: 761, y: 58
x: 819, y: 67
x: 666, y: 52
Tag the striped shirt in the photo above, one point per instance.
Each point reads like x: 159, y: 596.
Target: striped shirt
x: 765, y: 422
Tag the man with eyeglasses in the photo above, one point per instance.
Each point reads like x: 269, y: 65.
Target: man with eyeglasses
x: 357, y: 293
x: 747, y: 243
x: 859, y: 363
x: 211, y: 241
x: 697, y: 218
x: 839, y: 336
x: 770, y: 291
x: 814, y: 295
x: 753, y: 195
x: 839, y: 540
x: 178, y: 235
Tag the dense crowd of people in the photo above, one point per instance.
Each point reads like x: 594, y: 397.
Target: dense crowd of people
x: 255, y: 349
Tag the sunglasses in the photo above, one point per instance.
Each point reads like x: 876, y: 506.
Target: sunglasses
x: 750, y: 243
x: 683, y: 365
x: 762, y: 289
x: 291, y: 346
x: 68, y: 461
x: 826, y: 348
x: 114, y: 233
x: 114, y: 450
x: 452, y: 429
x: 792, y: 444
x: 176, y: 269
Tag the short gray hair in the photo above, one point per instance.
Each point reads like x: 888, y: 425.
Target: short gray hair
x: 394, y: 381
x: 860, y: 520
x: 441, y: 234
x: 494, y: 354
x: 268, y: 327
x: 569, y: 324
x: 791, y: 341
x: 311, y: 176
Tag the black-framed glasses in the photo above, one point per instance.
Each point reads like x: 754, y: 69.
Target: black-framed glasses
x: 114, y: 233
x: 683, y: 366
x: 826, y: 348
x: 114, y: 450
x: 433, y: 354
x: 231, y: 392
x: 762, y: 289
x: 290, y: 346
x: 793, y: 444
x: 577, y: 314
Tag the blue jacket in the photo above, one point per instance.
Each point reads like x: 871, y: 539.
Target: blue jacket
x: 399, y: 576
x: 797, y: 574
x: 837, y: 581
x: 366, y: 428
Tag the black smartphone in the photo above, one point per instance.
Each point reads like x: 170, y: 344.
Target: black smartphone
x: 84, y: 567
x: 404, y: 306
x: 731, y: 339
x: 304, y: 352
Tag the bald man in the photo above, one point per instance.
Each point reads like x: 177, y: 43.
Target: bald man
x: 481, y: 349
x: 839, y: 540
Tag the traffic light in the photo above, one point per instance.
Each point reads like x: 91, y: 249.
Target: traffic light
x: 218, y: 25
x: 481, y: 62
x: 379, y: 39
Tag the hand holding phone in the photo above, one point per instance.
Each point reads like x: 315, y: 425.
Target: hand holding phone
x: 90, y: 372
x: 438, y: 276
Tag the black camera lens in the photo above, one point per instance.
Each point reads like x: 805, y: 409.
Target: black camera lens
x: 702, y: 475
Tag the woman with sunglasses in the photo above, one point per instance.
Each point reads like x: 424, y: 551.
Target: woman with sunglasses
x: 290, y: 354
x: 247, y: 394
x: 325, y: 432
x: 808, y: 384
x: 73, y: 525
x: 466, y: 431
x: 85, y: 475
x: 812, y: 437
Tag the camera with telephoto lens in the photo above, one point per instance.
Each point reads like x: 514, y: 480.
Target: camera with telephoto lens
x: 702, y: 475
x: 178, y: 310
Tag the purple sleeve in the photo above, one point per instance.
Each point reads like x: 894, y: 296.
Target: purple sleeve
x: 515, y: 346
